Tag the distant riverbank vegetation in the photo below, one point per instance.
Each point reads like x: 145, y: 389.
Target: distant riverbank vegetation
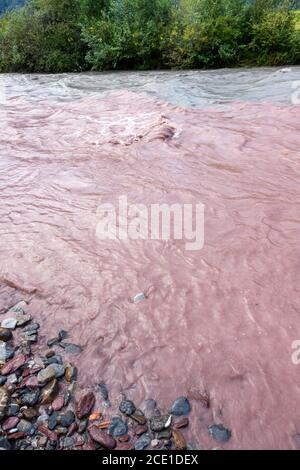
x: 78, y: 35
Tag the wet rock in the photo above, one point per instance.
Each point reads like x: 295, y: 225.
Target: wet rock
x: 4, y: 444
x: 219, y: 433
x: 181, y: 423
x: 118, y: 427
x: 53, y: 421
x: 4, y: 397
x: 139, y: 297
x: 11, y: 379
x: 149, y: 408
x: 24, y: 426
x: 180, y: 407
x: 10, y: 423
x: 72, y: 429
x: 139, y: 417
x: 141, y: 429
x: 49, y: 392
x: 14, y: 364
x: 5, y: 334
x: 142, y: 443
x: 56, y: 359
x: 25, y: 347
x: 103, y: 391
x: 165, y: 434
x: 63, y: 334
x: 30, y: 398
x: 51, y: 435
x: 71, y: 348
x: 179, y: 440
x: 158, y: 423
x: 82, y: 426
x: 124, y: 446
x: 127, y: 407
x: 124, y: 438
x: 155, y: 443
x: 19, y: 308
x: 30, y: 382
x: 297, y: 440
x: 67, y: 419
x: 85, y: 405
x: 68, y: 442
x: 58, y: 403
x: 70, y: 373
x: 30, y: 413
x: 53, y: 341
x: 104, y: 439
x: 16, y: 435
x: 23, y: 320
x: 9, y: 323
x: 49, y: 353
x: 13, y: 409
x: 52, y: 371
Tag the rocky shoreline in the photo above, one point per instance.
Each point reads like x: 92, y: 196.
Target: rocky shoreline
x: 40, y: 408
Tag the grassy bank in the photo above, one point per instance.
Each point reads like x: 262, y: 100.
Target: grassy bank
x: 76, y: 35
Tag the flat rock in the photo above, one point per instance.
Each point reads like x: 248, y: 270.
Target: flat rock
x: 85, y: 405
x: 14, y: 364
x: 104, y: 439
x: 142, y: 443
x: 10, y: 423
x: 9, y: 323
x: 50, y: 372
x: 30, y: 398
x: 22, y: 319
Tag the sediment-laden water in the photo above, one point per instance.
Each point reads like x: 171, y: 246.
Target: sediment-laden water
x: 221, y: 319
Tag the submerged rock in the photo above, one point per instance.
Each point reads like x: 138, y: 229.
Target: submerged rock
x: 158, y: 423
x: 219, y: 433
x: 9, y: 323
x: 85, y: 405
x: 14, y: 364
x: 49, y: 392
x: 179, y: 440
x: 104, y: 439
x: 142, y: 443
x: 5, y: 334
x: 118, y: 427
x: 127, y: 407
x: 180, y: 407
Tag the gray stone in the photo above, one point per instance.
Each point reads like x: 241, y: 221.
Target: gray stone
x: 24, y: 426
x: 22, y: 319
x: 118, y: 427
x: 180, y: 407
x: 67, y: 419
x: 127, y: 407
x: 219, y: 433
x: 142, y: 443
x: 30, y: 398
x: 158, y: 423
x: 9, y: 323
x: 4, y: 444
x: 12, y: 379
x: 50, y: 372
x: 32, y: 327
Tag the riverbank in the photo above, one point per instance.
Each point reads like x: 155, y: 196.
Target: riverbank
x: 42, y: 409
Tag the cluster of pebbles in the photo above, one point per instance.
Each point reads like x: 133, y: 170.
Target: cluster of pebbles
x: 39, y: 408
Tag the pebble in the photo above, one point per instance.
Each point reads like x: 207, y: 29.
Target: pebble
x: 158, y: 423
x: 30, y: 413
x: 82, y: 426
x: 58, y: 403
x: 5, y: 334
x: 139, y: 417
x: 12, y: 379
x: 141, y: 429
x: 50, y: 372
x: 127, y: 407
x: 67, y: 419
x: 9, y: 323
x: 68, y: 442
x: 24, y: 426
x: 51, y: 435
x: 72, y: 429
x: 10, y: 423
x: 139, y: 297
x: 219, y: 433
x: 53, y: 421
x: 118, y: 427
x: 71, y: 348
x: 70, y: 373
x: 179, y: 440
x: 4, y: 444
x: 142, y: 443
x: 13, y: 409
x: 13, y: 364
x: 180, y: 407
x: 149, y: 408
x: 104, y: 439
x: 181, y: 423
x: 85, y: 405
x: 49, y: 353
x: 19, y: 307
x: 23, y: 320
x: 2, y: 380
x: 49, y: 392
x: 30, y: 398
x: 164, y: 434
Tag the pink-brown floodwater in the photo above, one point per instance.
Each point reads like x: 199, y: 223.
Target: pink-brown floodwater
x: 221, y: 319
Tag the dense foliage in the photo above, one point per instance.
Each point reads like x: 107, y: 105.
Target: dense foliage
x: 74, y: 35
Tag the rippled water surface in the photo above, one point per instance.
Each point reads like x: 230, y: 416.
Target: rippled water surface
x: 221, y: 319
